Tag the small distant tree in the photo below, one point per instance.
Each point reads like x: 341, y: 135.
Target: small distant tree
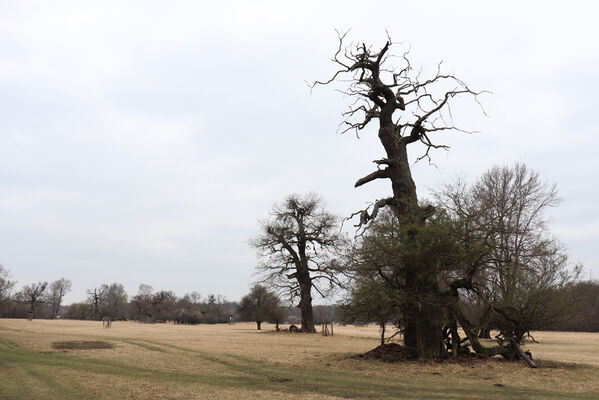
x: 58, y: 289
x: 215, y: 309
x: 79, y: 311
x: 259, y: 305
x: 6, y: 284
x: 278, y: 315
x: 33, y: 295
x: 194, y: 298
x: 189, y: 309
x: 141, y: 303
x: 298, y: 244
x: 95, y: 297
x: 114, y: 301
x: 164, y: 304
x: 370, y: 301
x: 108, y: 301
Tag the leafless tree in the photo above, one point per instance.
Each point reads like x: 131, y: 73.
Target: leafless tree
x: 408, y: 109
x: 33, y: 295
x: 526, y: 273
x: 381, y: 92
x: 297, y: 245
x: 58, y: 289
x: 95, y: 297
x: 6, y: 284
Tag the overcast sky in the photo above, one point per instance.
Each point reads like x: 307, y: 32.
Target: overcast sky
x: 142, y: 142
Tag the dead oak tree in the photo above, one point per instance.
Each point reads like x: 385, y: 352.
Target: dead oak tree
x: 407, y: 110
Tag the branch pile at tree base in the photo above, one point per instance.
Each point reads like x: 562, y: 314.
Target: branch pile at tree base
x: 393, y: 352
x: 386, y: 352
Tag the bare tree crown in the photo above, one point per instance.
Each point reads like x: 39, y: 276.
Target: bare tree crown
x: 298, y: 238
x: 408, y: 107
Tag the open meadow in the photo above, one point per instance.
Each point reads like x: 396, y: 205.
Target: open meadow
x: 164, y: 361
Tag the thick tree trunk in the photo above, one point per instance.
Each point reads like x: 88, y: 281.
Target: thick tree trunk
x: 522, y: 354
x: 423, y: 337
x: 305, y: 284
x: 305, y: 306
x: 424, y: 314
x: 424, y: 320
x: 485, y: 330
x: 259, y: 325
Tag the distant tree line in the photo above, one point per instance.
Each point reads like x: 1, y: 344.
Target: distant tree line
x: 38, y: 299
x: 585, y: 316
x: 45, y: 300
x: 151, y: 306
x: 364, y: 304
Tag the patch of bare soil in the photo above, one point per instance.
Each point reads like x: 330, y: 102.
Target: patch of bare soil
x: 82, y: 345
x: 279, y: 380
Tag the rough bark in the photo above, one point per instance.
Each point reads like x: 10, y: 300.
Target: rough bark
x: 305, y: 304
x: 307, y: 315
x: 522, y: 354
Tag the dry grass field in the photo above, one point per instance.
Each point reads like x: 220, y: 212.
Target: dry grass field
x: 164, y: 361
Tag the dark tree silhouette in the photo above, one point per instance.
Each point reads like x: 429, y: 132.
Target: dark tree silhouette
x: 95, y: 297
x: 33, y: 295
x: 526, y: 279
x: 297, y: 246
x: 113, y: 301
x: 259, y: 305
x: 6, y: 284
x: 369, y: 301
x: 58, y: 289
x: 382, y: 92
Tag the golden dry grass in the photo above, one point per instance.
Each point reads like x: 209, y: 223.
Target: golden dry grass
x: 164, y: 361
